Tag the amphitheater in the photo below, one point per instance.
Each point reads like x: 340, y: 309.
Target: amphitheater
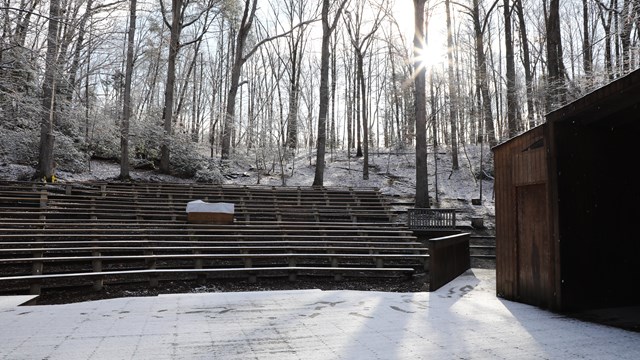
x: 90, y: 237
x: 92, y: 234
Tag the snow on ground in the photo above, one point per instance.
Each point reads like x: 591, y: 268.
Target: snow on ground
x: 462, y: 320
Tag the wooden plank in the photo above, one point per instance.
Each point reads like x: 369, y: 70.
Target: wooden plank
x: 37, y: 260
x: 209, y: 270
x: 367, y: 249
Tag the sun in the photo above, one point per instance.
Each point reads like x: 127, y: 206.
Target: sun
x: 430, y: 56
x: 433, y: 52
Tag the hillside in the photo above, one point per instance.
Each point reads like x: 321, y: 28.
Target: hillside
x: 392, y: 173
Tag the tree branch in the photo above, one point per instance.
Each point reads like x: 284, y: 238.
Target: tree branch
x: 269, y: 39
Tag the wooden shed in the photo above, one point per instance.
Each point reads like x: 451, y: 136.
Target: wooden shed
x: 568, y: 204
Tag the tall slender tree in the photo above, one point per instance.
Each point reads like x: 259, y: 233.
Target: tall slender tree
x: 587, y: 52
x: 526, y: 62
x: 328, y: 26
x: 236, y: 69
x: 240, y: 57
x: 422, y: 181
x: 46, y: 167
x: 512, y: 102
x: 126, y: 107
x: 361, y: 44
x: 178, y: 23
x: 453, y: 92
x: 555, y: 65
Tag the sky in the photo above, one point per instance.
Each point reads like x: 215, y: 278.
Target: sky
x: 436, y: 29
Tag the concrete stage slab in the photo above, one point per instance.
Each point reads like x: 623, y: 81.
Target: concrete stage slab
x: 462, y: 320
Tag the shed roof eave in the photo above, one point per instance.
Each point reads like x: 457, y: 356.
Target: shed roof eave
x: 499, y: 145
x: 616, y: 95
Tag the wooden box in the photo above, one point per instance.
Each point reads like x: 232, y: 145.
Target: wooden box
x: 201, y: 212
x: 210, y: 218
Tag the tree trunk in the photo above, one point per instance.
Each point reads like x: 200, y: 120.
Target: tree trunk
x: 167, y: 112
x: 453, y: 103
x: 587, y: 61
x: 349, y: 99
x: 296, y: 51
x: 327, y: 29
x: 625, y: 34
x: 334, y: 80
x: 357, y: 96
x: 512, y: 102
x: 324, y: 97
x: 46, y: 166
x: 422, y: 181
x: 229, y: 119
x: 396, y: 101
x: 365, y: 118
x: 481, y: 59
x: 75, y: 64
x: 555, y: 66
x: 526, y: 62
x: 126, y: 111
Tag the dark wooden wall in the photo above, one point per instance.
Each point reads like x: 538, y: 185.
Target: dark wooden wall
x: 525, y: 251
x: 449, y: 257
x: 598, y: 209
x: 567, y: 205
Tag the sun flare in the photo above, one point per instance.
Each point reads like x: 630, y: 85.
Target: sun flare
x: 433, y: 51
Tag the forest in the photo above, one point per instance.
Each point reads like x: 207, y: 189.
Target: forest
x: 185, y: 86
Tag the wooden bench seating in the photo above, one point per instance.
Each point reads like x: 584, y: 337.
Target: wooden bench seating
x: 247, y: 208
x: 38, y: 266
x: 230, y: 238
x: 273, y: 257
x: 138, y: 247
x: 42, y: 228
x: 153, y: 275
x: 108, y: 230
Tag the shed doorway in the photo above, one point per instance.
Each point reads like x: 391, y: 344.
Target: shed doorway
x: 534, y: 263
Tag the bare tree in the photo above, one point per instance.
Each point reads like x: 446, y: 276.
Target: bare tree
x: 327, y: 28
x: 179, y: 21
x: 236, y: 69
x: 422, y: 180
x: 239, y: 59
x: 126, y: 107
x: 526, y: 62
x: 361, y: 44
x: 627, y: 18
x: 453, y: 102
x: 587, y: 52
x: 46, y: 166
x: 512, y: 102
x: 555, y: 65
x: 296, y: 45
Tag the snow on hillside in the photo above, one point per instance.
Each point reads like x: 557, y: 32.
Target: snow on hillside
x: 392, y: 173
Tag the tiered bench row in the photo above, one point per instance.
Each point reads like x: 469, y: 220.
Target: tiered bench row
x: 92, y: 233
x: 167, y: 202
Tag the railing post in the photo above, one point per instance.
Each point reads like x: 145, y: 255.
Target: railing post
x: 454, y: 218
x: 292, y: 263
x: 96, y: 263
x: 248, y: 263
x: 151, y: 264
x: 36, y: 269
x: 199, y: 264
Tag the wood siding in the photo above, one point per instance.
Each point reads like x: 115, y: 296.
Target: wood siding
x: 524, y: 250
x: 565, y: 205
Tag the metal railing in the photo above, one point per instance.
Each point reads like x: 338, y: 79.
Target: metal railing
x: 431, y: 219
